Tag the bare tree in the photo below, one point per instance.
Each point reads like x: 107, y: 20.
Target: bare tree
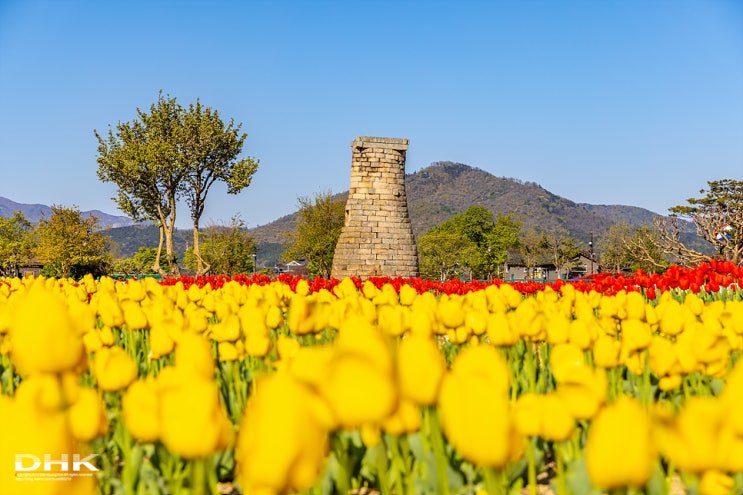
x: 717, y: 218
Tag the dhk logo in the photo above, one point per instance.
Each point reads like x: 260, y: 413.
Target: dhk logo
x: 30, y: 462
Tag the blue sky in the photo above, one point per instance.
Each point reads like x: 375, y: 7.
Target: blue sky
x: 608, y: 102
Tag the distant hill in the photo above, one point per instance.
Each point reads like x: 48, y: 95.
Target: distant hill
x: 445, y: 189
x: 130, y: 238
x: 435, y: 194
x: 34, y: 212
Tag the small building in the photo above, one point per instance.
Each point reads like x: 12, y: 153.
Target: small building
x: 544, y: 270
x: 294, y: 267
x: 31, y: 269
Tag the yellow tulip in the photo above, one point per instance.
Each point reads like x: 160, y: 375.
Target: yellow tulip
x: 565, y: 359
x: 407, y: 295
x: 661, y: 356
x: 194, y: 353
x: 476, y: 321
x: 558, y: 327
x: 193, y: 423
x: 473, y: 406
x: 698, y: 439
x: 544, y: 416
x: 673, y: 316
x: 31, y: 429
x: 282, y: 440
x: 449, y: 311
x: 393, y: 319
x: 228, y: 351
x: 92, y: 341
x: 134, y: 317
x: 606, y: 352
x: 636, y: 335
x: 274, y: 316
x: 714, y: 482
x: 619, y: 449
x: 44, y: 337
x: 107, y: 336
x: 140, y: 408
x: 227, y: 330
x: 357, y: 390
x: 500, y: 330
x: 300, y: 318
x: 114, y: 369
x: 635, y: 306
x: 161, y: 343
x: 196, y: 318
x: 404, y: 420
x: 87, y: 416
x: 420, y: 367
x: 109, y: 309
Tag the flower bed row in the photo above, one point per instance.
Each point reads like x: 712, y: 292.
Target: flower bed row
x: 407, y: 386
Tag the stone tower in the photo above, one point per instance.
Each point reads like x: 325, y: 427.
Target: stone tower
x: 377, y: 239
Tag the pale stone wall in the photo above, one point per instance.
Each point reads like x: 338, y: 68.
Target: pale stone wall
x: 377, y: 238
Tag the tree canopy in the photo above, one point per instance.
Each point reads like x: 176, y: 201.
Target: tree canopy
x: 70, y: 245
x: 445, y: 255
x: 226, y: 249
x: 211, y: 149
x: 16, y: 243
x: 717, y: 217
x: 483, y: 253
x: 167, y: 154
x: 319, y: 225
x: 624, y: 247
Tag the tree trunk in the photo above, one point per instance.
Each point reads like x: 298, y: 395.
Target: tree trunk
x: 202, y: 267
x: 169, y: 251
x: 156, y: 267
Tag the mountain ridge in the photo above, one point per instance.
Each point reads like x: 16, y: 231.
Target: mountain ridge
x: 435, y: 194
x: 444, y: 189
x: 34, y: 212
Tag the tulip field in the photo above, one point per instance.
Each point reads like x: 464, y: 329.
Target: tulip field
x: 258, y: 385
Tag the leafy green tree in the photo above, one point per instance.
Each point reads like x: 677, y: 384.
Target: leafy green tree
x: 645, y: 253
x: 562, y: 250
x: 70, y: 245
x: 125, y: 267
x: 16, y: 243
x: 141, y: 263
x: 319, y: 224
x: 211, y: 150
x: 492, y: 240
x: 143, y: 160
x: 168, y: 154
x: 718, y: 219
x: 532, y: 248
x: 445, y: 255
x: 614, y: 247
x: 227, y: 250
x: 624, y: 247
x: 494, y: 252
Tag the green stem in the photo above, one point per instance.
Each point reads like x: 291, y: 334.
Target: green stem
x: 383, y: 467
x: 439, y: 453
x: 647, y: 398
x: 493, y: 481
x: 530, y: 367
x: 407, y: 457
x: 562, y: 488
x: 237, y: 383
x: 343, y: 480
x: 7, y: 364
x: 531, y: 466
x: 198, y: 477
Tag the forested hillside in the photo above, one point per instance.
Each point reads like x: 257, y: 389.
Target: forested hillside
x: 437, y: 193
